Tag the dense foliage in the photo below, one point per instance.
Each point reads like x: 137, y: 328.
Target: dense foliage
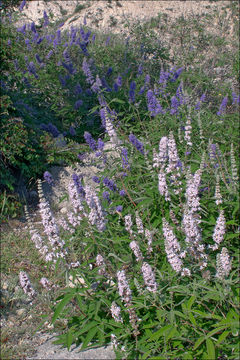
x: 152, y: 252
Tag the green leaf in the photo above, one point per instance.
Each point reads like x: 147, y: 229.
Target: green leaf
x: 210, y: 349
x: 190, y: 302
x: 199, y: 342
x: 89, y: 337
x: 86, y: 328
x: 160, y: 332
x: 69, y: 339
x: 192, y: 319
x: 149, y: 326
x: 147, y: 353
x: 223, y: 336
x: 172, y: 333
x: 118, y: 101
x: 61, y: 305
x: 187, y: 356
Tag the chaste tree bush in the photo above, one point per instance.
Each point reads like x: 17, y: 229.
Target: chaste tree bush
x: 150, y: 252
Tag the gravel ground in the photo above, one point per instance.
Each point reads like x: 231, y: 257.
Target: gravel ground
x: 47, y: 350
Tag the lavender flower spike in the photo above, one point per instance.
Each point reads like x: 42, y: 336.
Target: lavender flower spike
x: 138, y: 145
x: 136, y: 250
x: 219, y: 231
x: 91, y: 142
x: 222, y: 106
x: 223, y: 264
x: 172, y: 247
x: 123, y: 287
x: 149, y: 278
x: 23, y: 3
x: 116, y: 312
x: 26, y: 285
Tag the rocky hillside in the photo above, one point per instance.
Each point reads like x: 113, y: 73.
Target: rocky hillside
x: 113, y: 15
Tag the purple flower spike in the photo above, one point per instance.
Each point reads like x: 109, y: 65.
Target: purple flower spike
x: 118, y: 81
x: 77, y: 104
x: 105, y: 195
x: 33, y: 27
x: 72, y: 131
x: 108, y: 40
x: 91, y: 142
x: 110, y: 184
x: 174, y: 105
x: 100, y: 144
x: 38, y: 58
x: 48, y: 177
x: 23, y: 3
x: 138, y: 145
x: 132, y: 92
x: 222, y: 106
x: 119, y: 208
x: 122, y: 193
x: 109, y: 71
x: 78, y: 89
x: 46, y: 19
x: 96, y: 179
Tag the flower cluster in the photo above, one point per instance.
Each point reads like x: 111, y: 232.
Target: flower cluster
x: 26, y: 284
x: 136, y: 250
x: 149, y: 277
x: 172, y: 247
x: 219, y: 231
x: 138, y: 145
x: 223, y: 264
x: 116, y: 312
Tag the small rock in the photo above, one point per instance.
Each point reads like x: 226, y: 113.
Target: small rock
x: 63, y: 210
x: 4, y: 286
x: 20, y: 312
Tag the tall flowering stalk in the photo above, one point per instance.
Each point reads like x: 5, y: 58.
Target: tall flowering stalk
x: 126, y: 295
x: 96, y: 215
x: 26, y: 284
x: 116, y: 312
x: 128, y: 224
x: 108, y: 126
x: 172, y: 154
x: 163, y: 150
x: 50, y: 227
x: 136, y: 250
x: 138, y: 145
x: 172, y: 247
x: 100, y: 262
x: 219, y: 231
x: 188, y: 131
x: 223, y: 264
x: 39, y: 243
x: 139, y: 224
x: 192, y: 197
x: 174, y: 164
x: 149, y: 278
x: 162, y: 185
x: 87, y: 72
x: 218, y: 196
x: 149, y: 238
x: 222, y: 107
x: 233, y: 166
